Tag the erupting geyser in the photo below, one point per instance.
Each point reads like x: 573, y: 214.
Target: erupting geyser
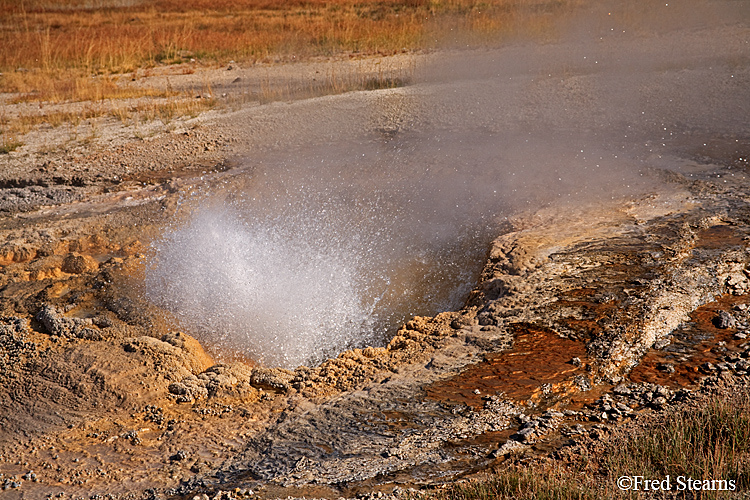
x: 283, y: 295
x: 360, y: 211
x: 290, y: 261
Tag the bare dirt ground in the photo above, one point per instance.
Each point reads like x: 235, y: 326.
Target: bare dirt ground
x: 596, y: 304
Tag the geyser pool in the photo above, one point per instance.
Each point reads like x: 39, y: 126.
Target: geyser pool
x: 297, y: 257
x: 293, y: 261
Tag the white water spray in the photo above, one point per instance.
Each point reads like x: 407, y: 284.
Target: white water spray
x: 292, y: 262
x: 279, y: 296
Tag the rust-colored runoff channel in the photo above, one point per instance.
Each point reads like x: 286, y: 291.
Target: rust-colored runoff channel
x: 539, y: 364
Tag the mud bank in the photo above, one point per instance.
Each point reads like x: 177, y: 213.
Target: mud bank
x: 596, y: 303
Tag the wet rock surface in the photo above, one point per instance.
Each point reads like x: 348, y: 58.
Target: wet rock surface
x: 572, y: 329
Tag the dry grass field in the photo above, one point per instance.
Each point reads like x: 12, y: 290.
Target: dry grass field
x: 97, y: 51
x: 50, y: 49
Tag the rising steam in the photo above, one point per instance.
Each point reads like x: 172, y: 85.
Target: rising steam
x: 293, y: 261
x: 381, y: 205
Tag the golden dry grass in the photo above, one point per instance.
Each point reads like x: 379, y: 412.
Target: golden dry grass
x: 50, y: 49
x: 79, y: 50
x: 164, y: 110
x: 709, y: 440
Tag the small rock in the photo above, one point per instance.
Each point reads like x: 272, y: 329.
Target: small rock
x: 582, y: 383
x: 708, y: 367
x: 665, y: 367
x: 13, y: 484
x: 724, y: 367
x: 78, y: 264
x: 624, y: 408
x: 179, y: 456
x: 576, y: 361
x: 578, y: 429
x: 658, y: 402
x: 274, y: 379
x: 461, y: 322
x: 507, y: 448
x: 622, y: 390
x: 732, y: 357
x: 526, y: 434
x: 663, y: 391
x: 740, y: 335
x: 661, y: 344
x: 724, y: 320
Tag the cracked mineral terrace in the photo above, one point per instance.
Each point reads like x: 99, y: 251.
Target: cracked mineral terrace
x: 596, y: 303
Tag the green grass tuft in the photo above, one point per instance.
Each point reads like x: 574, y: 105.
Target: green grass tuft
x: 711, y: 442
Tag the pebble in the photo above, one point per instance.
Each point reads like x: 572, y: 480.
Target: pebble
x: 724, y: 320
x: 12, y: 484
x: 622, y: 389
x: 508, y: 447
x: 661, y: 344
x: 659, y: 402
x: 666, y: 367
x: 708, y: 367
x: 724, y: 366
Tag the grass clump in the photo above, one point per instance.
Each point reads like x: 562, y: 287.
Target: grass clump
x: 518, y: 483
x: 8, y: 146
x: 710, y: 442
x: 704, y: 442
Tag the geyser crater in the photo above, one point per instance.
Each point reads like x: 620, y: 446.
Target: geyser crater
x: 290, y: 263
x: 298, y: 257
x: 282, y: 295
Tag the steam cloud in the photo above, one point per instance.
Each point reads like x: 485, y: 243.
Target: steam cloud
x: 332, y: 243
